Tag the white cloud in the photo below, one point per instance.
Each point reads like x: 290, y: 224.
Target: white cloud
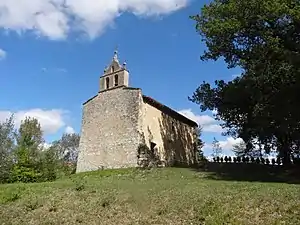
x: 229, y: 143
x: 2, y: 52
x: 226, y: 145
x: 208, y: 123
x: 55, y: 19
x: 51, y: 120
x: 69, y: 130
x: 45, y: 146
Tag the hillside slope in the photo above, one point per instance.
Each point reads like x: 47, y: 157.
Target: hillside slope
x: 159, y: 196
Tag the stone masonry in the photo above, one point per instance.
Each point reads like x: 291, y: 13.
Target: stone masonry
x: 120, y: 118
x: 110, y: 130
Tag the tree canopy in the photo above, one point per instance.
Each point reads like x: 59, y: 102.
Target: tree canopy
x: 262, y: 37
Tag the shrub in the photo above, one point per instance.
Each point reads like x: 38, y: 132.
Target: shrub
x: 257, y: 160
x: 278, y: 161
x: 238, y: 159
x: 267, y: 161
x: 25, y: 174
x: 221, y: 159
x: 273, y: 161
x: 226, y: 159
x: 146, y: 157
x: 234, y: 159
x: 252, y: 159
x: 230, y: 159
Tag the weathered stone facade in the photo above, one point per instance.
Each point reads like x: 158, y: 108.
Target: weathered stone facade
x: 170, y: 132
x: 119, y: 118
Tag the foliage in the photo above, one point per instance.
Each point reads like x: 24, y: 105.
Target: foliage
x: 146, y: 157
x: 199, y: 144
x: 262, y: 38
x: 6, y: 148
x: 23, y: 157
x: 29, y: 139
x: 68, y: 147
x: 50, y: 164
x: 216, y: 148
x: 240, y: 149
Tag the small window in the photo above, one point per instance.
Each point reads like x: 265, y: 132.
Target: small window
x: 107, y: 82
x: 116, y: 80
x: 112, y: 68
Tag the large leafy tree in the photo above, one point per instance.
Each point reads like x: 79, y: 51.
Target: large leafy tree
x: 68, y: 147
x: 262, y: 37
x: 29, y: 140
x: 7, y: 145
x: 199, y: 143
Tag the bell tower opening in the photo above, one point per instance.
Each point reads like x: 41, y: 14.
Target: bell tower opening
x: 116, y: 80
x: 115, y: 75
x: 107, y: 82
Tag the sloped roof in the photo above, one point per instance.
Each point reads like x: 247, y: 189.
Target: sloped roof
x: 169, y: 111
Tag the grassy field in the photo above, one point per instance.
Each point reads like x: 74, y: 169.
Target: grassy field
x: 157, y: 196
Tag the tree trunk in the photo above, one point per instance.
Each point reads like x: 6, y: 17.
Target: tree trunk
x: 286, y: 159
x: 285, y: 151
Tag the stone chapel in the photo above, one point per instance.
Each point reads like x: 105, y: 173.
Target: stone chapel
x: 120, y: 118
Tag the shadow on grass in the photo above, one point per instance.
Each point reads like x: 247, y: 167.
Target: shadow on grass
x: 251, y: 172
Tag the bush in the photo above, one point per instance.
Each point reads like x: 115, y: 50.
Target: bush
x: 226, y: 159
x: 23, y: 158
x: 278, y: 161
x: 146, y: 157
x: 257, y: 160
x: 5, y: 170
x: 273, y: 161
x: 25, y: 174
x: 296, y: 160
x: 230, y: 159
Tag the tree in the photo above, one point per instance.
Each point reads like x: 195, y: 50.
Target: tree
x: 6, y: 148
x: 216, y: 148
x: 240, y: 150
x: 29, y: 139
x: 68, y: 147
x: 262, y: 38
x: 199, y: 143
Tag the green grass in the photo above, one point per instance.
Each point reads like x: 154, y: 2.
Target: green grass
x: 159, y: 196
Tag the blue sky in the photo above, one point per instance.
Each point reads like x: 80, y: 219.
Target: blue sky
x: 49, y: 66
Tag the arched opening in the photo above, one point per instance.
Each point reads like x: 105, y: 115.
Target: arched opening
x: 116, y: 80
x: 107, y: 82
x: 112, y: 69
